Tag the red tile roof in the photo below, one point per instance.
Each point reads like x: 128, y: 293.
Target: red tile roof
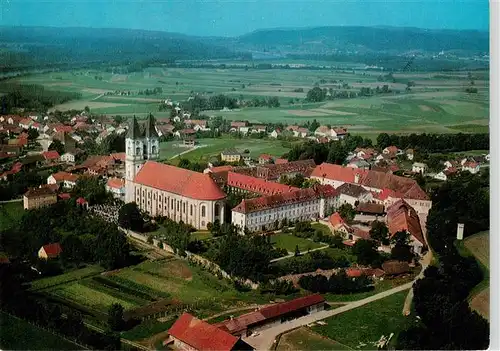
x: 116, y: 183
x: 179, y: 181
x: 280, y: 161
x: 63, y: 128
x: 38, y: 192
x: 119, y: 156
x: 52, y: 250
x: 272, y: 201
x: 65, y: 176
x: 201, y: 335
x: 81, y: 201
x: 257, y: 185
x: 280, y: 309
x: 336, y: 172
x: 391, y: 149
x: 401, y: 216
x: 218, y: 169
x: 265, y: 157
x: 335, y: 219
x: 50, y: 155
x: 237, y: 124
x: 64, y: 196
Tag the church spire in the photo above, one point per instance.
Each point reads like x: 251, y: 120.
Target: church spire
x: 150, y: 127
x: 133, y: 129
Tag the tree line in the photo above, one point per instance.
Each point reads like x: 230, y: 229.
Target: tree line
x: 441, y: 297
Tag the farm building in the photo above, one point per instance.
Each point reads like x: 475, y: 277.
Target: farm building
x: 189, y: 333
x: 49, y: 251
x: 39, y: 197
x: 272, y: 315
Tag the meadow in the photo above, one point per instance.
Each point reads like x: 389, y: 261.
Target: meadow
x: 305, y: 339
x: 213, y: 147
x: 361, y: 327
x: 10, y: 214
x: 289, y: 242
x: 437, y: 101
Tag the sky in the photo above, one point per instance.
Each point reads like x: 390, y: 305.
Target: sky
x: 237, y: 17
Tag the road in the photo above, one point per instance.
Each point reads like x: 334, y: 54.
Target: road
x: 9, y: 201
x: 266, y: 338
x: 185, y: 152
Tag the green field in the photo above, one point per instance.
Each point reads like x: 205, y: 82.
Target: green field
x: 305, y: 339
x: 10, y: 213
x: 361, y: 327
x: 435, y: 104
x: 16, y: 334
x: 66, y: 278
x: 289, y: 242
x: 213, y: 147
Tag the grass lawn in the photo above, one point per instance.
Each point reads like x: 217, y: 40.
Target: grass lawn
x: 324, y: 228
x: 201, y: 235
x: 10, y: 214
x: 289, y: 242
x: 66, y: 277
x: 146, y: 329
x: 380, y: 286
x: 361, y: 327
x: 16, y: 334
x: 305, y: 339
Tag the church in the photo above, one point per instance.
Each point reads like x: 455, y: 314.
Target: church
x: 163, y: 190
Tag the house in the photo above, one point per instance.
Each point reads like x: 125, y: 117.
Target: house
x: 364, y: 153
x: 183, y: 133
x: 236, y: 125
x: 63, y: 128
x: 409, y: 154
x: 244, y: 130
x: 68, y: 157
x: 258, y: 128
x: 352, y: 194
x: 230, y: 155
x: 189, y: 333
x: 358, y: 163
x: 391, y: 151
x: 323, y: 131
x: 64, y: 179
x: 50, y: 251
x: 116, y: 186
x: 339, y: 225
x: 39, y: 197
x: 419, y: 167
x: 164, y: 129
x: 196, y: 124
x: 297, y: 131
x: 275, y: 133
x: 272, y: 315
x: 470, y: 166
x: 26, y: 123
x: 370, y: 208
x: 338, y: 133
x: 403, y: 217
x: 82, y: 202
x: 51, y: 156
x: 265, y: 158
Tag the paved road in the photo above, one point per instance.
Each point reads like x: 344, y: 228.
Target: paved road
x: 266, y: 339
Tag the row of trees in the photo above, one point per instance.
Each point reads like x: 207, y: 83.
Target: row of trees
x: 338, y: 283
x: 436, y: 142
x: 17, y: 184
x: 441, y: 296
x: 308, y: 263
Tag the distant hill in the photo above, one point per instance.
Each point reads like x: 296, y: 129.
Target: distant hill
x: 365, y: 39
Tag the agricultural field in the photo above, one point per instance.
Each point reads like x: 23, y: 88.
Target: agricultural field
x: 213, y: 147
x: 289, y: 242
x: 305, y: 339
x: 437, y: 102
x: 77, y: 274
x: 10, y: 213
x: 17, y: 334
x: 478, y: 245
x: 361, y: 327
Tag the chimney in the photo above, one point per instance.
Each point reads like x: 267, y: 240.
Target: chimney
x: 460, y: 231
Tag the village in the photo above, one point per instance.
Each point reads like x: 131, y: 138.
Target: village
x: 370, y: 204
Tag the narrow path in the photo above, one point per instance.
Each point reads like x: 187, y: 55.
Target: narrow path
x: 185, y: 152
x: 302, y: 253
x: 97, y: 97
x: 267, y: 337
x: 250, y: 307
x: 9, y: 201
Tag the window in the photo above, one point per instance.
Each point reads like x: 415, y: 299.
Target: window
x: 154, y: 196
x: 153, y: 149
x: 137, y: 151
x: 183, y: 207
x: 178, y: 206
x: 172, y: 204
x: 191, y: 210
x: 203, y: 212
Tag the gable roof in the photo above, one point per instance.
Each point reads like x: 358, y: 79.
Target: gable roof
x: 201, y: 335
x: 36, y: 192
x: 116, y: 183
x: 289, y: 306
x: 179, y: 181
x: 351, y: 190
x: 336, y: 220
x: 52, y: 250
x: 50, y: 155
x: 65, y: 176
x: 401, y: 216
x: 257, y: 185
x: 336, y: 172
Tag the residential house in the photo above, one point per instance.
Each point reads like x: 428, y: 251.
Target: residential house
x: 184, y: 133
x: 419, y: 167
x: 236, y: 125
x: 64, y: 179
x: 244, y: 130
x: 358, y: 163
x: 197, y: 124
x: 38, y: 197
x: 116, y: 186
x: 50, y: 251
x: 189, y: 333
x: 444, y: 175
x: 391, y: 151
x: 164, y: 129
x: 364, y: 153
x: 352, y: 194
x: 51, y: 156
x: 471, y: 166
x: 338, y: 133
x: 403, y: 217
x: 297, y: 131
x: 265, y: 158
x: 323, y: 131
x: 275, y: 133
x: 68, y: 157
x: 26, y: 123
x: 258, y: 128
x: 230, y: 155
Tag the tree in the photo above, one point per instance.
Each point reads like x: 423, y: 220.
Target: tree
x: 380, y: 232
x: 58, y: 146
x: 297, y: 251
x: 91, y: 189
x: 316, y: 94
x: 115, y: 317
x: 337, y: 153
x: 129, y: 217
x: 365, y: 251
x: 72, y: 249
x: 347, y: 212
x: 33, y: 134
x: 383, y: 140
x: 337, y: 242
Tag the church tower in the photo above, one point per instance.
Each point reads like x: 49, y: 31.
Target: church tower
x: 141, y: 144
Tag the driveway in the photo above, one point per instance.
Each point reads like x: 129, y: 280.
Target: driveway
x: 266, y: 338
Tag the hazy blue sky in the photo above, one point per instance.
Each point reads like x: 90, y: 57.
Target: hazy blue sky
x: 235, y: 17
